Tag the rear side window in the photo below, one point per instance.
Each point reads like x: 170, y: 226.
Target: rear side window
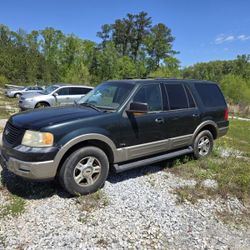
x: 176, y: 96
x: 79, y: 91
x: 210, y: 94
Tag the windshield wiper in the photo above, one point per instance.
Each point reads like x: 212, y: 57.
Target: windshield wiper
x: 89, y: 105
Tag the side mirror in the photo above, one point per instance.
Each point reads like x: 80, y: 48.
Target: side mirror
x: 138, y: 108
x: 55, y: 94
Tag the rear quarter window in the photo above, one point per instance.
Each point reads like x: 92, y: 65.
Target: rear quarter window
x: 79, y: 91
x: 210, y: 94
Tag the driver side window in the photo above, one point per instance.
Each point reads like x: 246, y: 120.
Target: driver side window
x: 151, y: 95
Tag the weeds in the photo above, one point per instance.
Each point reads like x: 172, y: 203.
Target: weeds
x: 236, y: 220
x: 14, y: 207
x: 231, y: 174
x: 93, y: 201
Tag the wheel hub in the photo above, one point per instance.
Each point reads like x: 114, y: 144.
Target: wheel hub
x: 87, y: 171
x: 204, y: 145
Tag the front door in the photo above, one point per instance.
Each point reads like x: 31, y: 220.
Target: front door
x: 142, y: 134
x: 63, y: 97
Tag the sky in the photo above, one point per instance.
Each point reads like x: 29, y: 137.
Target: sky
x: 204, y: 30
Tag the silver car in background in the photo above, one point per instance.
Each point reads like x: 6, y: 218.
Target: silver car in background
x: 54, y: 95
x: 17, y: 92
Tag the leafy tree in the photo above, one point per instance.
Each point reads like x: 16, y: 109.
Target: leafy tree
x: 236, y: 89
x: 170, y: 68
x: 158, y: 45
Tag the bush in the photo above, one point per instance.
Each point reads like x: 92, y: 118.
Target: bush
x: 3, y: 80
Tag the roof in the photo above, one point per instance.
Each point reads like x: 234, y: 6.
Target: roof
x: 157, y: 80
x: 71, y: 85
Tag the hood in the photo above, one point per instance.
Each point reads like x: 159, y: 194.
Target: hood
x: 40, y: 118
x: 27, y: 94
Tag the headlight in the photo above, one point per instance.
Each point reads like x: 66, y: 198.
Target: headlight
x: 37, y: 139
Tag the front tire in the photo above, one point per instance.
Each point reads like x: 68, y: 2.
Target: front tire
x: 41, y: 105
x: 203, y: 144
x: 84, y: 171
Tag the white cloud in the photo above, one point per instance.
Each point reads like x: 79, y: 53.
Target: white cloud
x: 243, y: 37
x: 222, y: 38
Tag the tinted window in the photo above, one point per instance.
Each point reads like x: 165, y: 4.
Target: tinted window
x: 210, y: 94
x: 190, y: 98
x: 63, y: 91
x: 150, y: 94
x: 79, y: 91
x: 176, y: 96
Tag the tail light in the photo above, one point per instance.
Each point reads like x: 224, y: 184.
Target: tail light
x: 226, y: 114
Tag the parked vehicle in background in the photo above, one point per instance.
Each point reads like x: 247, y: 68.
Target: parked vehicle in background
x: 54, y: 95
x: 17, y: 92
x: 121, y: 125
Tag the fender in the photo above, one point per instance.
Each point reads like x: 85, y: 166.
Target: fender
x: 203, y: 124
x: 85, y: 137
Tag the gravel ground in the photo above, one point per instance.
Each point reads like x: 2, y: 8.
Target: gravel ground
x: 140, y: 212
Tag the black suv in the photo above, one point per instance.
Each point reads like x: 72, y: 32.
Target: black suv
x: 121, y: 124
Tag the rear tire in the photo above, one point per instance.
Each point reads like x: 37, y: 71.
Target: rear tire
x: 203, y: 144
x: 84, y: 171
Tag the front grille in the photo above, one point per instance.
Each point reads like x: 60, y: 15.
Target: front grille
x: 12, y: 134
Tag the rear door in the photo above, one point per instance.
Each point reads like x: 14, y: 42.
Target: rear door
x: 182, y: 116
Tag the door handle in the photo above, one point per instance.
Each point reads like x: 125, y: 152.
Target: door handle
x: 159, y: 120
x: 196, y: 115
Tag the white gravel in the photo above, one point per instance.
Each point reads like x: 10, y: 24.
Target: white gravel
x: 141, y: 214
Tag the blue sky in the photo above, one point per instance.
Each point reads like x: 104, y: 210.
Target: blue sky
x: 204, y: 30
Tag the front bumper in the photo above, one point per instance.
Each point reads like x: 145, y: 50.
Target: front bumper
x: 30, y: 163
x: 44, y: 170
x: 25, y: 105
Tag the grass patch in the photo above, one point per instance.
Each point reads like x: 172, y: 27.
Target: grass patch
x: 237, y: 138
x: 8, y: 106
x: 193, y: 193
x: 93, y: 201
x: 235, y: 219
x: 231, y: 174
x: 14, y: 207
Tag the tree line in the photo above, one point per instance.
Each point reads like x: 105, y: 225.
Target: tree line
x: 131, y: 47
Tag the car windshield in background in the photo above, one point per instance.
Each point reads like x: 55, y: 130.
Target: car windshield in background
x: 49, y: 89
x: 108, y: 96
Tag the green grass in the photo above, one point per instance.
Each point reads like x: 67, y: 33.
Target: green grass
x: 237, y: 138
x: 14, y: 207
x: 8, y: 106
x: 231, y: 173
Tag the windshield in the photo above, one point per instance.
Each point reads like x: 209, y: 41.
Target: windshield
x: 49, y: 89
x: 108, y: 95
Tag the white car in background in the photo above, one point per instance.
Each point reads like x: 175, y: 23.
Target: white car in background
x: 17, y: 92
x: 54, y: 95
